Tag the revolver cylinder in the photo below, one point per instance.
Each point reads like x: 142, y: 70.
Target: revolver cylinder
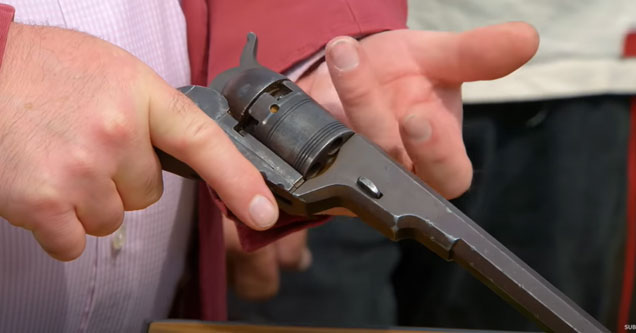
x: 308, y: 140
x: 266, y: 106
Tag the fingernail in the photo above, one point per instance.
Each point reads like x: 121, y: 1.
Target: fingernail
x: 263, y: 212
x: 305, y: 260
x: 417, y: 129
x: 344, y: 54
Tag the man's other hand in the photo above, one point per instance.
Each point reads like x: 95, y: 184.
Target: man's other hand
x: 402, y: 90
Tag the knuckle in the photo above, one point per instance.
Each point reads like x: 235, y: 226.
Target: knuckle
x: 442, y: 153
x: 63, y: 244
x: 126, y: 68
x: 352, y: 96
x: 79, y: 162
x: 179, y: 103
x: 199, y: 135
x: 69, y: 254
x: 461, y: 185
x: 196, y: 127
x: 399, y: 154
x: 147, y: 191
x: 451, y: 178
x: 441, y: 158
x: 103, y: 224
x: 46, y: 201
x: 152, y: 189
x: 34, y: 198
x: 197, y: 132
x: 116, y: 127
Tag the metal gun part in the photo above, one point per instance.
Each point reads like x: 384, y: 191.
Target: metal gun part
x: 312, y: 163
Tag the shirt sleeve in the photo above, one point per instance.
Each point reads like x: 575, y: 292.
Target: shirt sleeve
x: 6, y: 17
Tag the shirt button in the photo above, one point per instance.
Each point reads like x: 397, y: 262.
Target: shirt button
x: 119, y: 238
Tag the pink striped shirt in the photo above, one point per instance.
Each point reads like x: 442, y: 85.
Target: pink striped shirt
x: 126, y: 278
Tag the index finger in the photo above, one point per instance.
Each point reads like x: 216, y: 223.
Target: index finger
x: 181, y: 129
x: 485, y: 53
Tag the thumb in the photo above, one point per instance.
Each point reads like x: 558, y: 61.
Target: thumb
x: 181, y: 129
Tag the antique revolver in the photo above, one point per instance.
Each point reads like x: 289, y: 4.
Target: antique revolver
x: 312, y: 162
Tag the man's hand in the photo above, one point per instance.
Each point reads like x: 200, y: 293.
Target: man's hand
x: 256, y: 275
x: 401, y: 89
x: 78, y: 121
